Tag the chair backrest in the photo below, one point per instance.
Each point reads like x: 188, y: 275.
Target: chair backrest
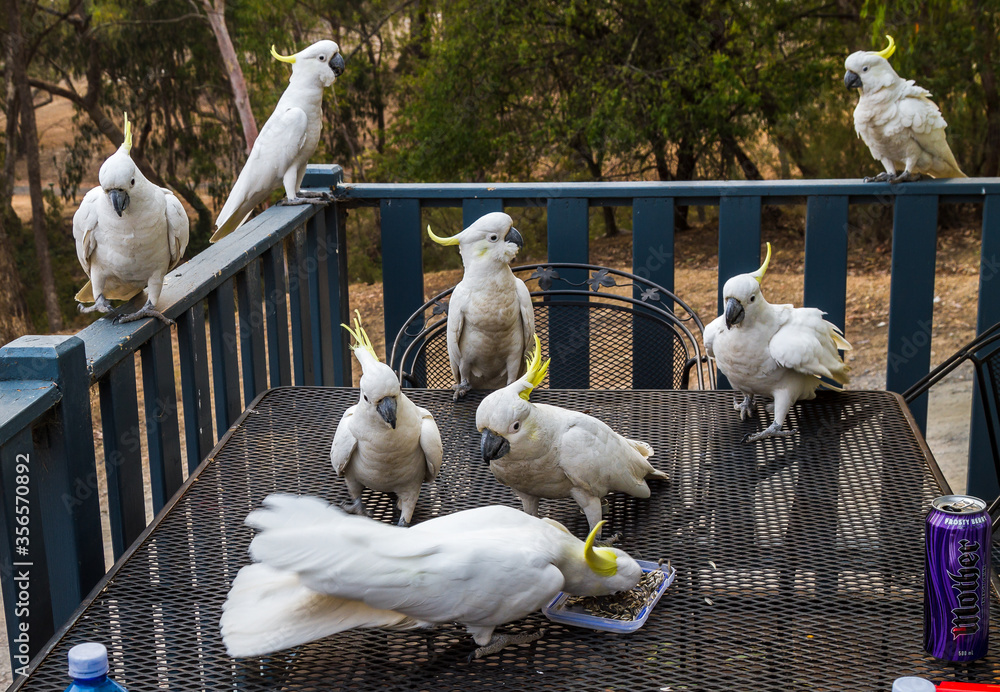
x: 984, y: 353
x: 603, y: 329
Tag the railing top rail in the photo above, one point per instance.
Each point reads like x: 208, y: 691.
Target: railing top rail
x: 21, y: 402
x: 965, y: 189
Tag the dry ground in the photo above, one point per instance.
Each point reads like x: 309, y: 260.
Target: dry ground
x: 956, y: 292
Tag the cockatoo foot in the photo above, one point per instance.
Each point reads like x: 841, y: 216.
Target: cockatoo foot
x: 461, y: 390
x: 356, y: 507
x: 745, y: 407
x: 320, y: 194
x: 101, y: 304
x: 298, y: 201
x: 905, y: 177
x: 773, y: 430
x: 614, y: 538
x: 501, y: 641
x: 403, y: 523
x: 146, y: 310
x: 880, y: 178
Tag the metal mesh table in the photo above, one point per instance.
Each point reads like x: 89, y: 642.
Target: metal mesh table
x: 799, y: 559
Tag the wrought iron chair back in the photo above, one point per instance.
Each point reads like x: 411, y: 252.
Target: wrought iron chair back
x: 599, y: 334
x: 984, y: 353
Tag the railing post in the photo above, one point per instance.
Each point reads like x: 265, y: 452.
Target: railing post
x: 64, y: 556
x: 911, y: 296
x: 333, y: 260
x: 653, y: 260
x: 569, y: 241
x: 402, y: 264
x: 982, y: 480
x: 739, y: 246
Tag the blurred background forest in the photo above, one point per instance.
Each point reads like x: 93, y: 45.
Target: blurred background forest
x: 494, y: 90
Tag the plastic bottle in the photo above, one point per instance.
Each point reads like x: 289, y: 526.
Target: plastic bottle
x: 88, y: 666
x: 912, y: 684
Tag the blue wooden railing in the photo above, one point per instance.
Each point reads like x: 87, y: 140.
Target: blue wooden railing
x: 262, y: 307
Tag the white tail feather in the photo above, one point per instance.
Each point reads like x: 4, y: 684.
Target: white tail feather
x: 268, y: 610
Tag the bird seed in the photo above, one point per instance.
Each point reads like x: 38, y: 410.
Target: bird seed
x: 625, y: 605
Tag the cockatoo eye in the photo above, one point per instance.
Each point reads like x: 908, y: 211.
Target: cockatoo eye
x: 515, y: 426
x: 365, y: 396
x: 753, y: 298
x: 132, y: 182
x: 322, y: 58
x: 865, y: 69
x: 493, y: 237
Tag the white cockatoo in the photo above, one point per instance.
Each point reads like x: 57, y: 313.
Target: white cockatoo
x: 319, y: 571
x: 288, y: 138
x: 490, y: 317
x: 776, y: 351
x: 384, y: 442
x: 540, y: 450
x: 897, y: 120
x: 129, y: 233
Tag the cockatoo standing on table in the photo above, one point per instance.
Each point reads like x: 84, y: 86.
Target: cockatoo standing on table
x: 288, y: 138
x: 385, y: 442
x: 897, y: 120
x: 547, y: 451
x: 777, y: 351
x: 490, y: 317
x: 129, y: 233
x: 320, y: 571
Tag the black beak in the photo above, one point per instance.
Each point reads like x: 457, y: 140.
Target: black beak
x: 387, y: 409
x: 119, y: 200
x: 734, y: 312
x: 513, y: 236
x: 337, y: 65
x: 493, y: 446
x: 852, y: 80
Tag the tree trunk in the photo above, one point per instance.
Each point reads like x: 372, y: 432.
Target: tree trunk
x: 29, y: 130
x: 14, y: 321
x: 991, y: 94
x: 216, y: 10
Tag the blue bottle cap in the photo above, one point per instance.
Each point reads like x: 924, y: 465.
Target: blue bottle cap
x: 89, y: 660
x: 912, y: 684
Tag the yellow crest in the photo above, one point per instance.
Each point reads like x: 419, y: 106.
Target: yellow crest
x: 887, y: 51
x: 536, y: 370
x: 759, y: 274
x: 283, y: 58
x: 602, y: 561
x: 360, y: 336
x: 127, y: 142
x: 453, y: 240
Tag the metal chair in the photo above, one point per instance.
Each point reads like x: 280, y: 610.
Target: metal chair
x: 598, y: 335
x: 984, y: 353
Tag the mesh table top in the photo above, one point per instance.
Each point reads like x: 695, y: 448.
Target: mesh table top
x: 799, y: 559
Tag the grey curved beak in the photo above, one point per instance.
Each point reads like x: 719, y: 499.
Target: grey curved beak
x: 387, y: 409
x: 852, y: 80
x: 337, y: 65
x: 514, y: 236
x: 119, y: 200
x: 734, y: 312
x: 493, y: 446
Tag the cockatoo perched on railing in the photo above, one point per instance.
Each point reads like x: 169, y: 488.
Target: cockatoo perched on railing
x: 777, y: 351
x: 288, y: 138
x: 897, y: 120
x: 540, y: 450
x: 490, y: 317
x: 385, y: 442
x: 320, y: 571
x: 129, y: 233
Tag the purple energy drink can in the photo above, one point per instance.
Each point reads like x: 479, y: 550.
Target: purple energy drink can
x: 957, y: 579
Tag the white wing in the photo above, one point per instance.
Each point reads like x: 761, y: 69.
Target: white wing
x: 178, y: 228
x: 278, y: 145
x: 456, y: 321
x: 808, y: 344
x: 712, y: 330
x: 527, y: 316
x: 344, y: 443
x: 430, y: 444
x: 483, y: 573
x: 84, y: 225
